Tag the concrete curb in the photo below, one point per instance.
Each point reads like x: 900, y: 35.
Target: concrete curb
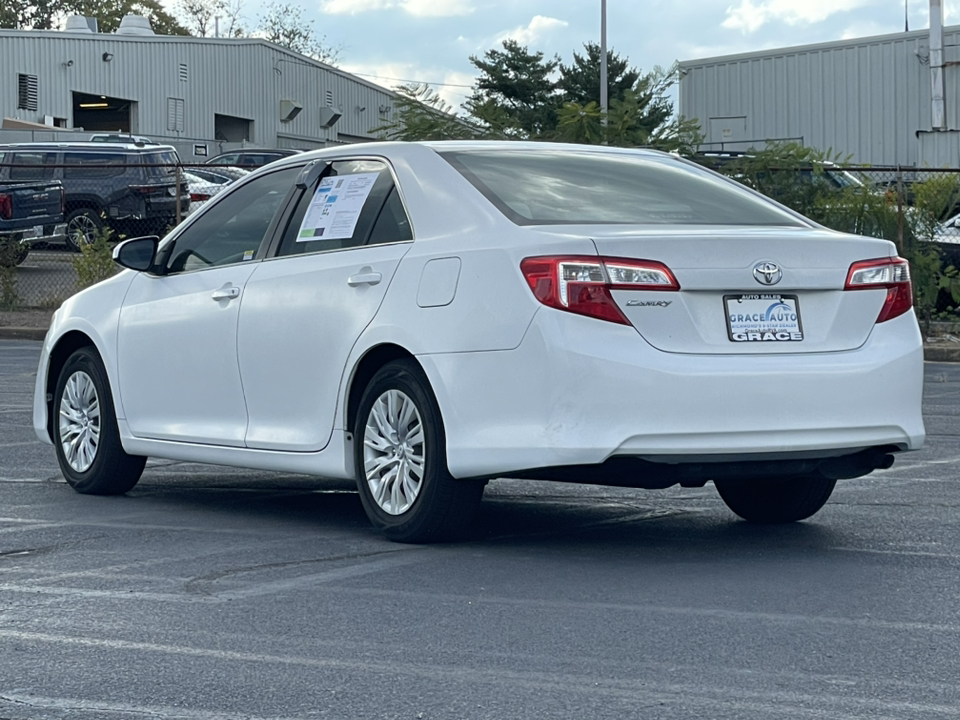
x: 931, y: 353
x: 22, y: 333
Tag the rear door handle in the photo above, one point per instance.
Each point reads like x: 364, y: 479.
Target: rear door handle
x: 226, y: 293
x: 364, y: 278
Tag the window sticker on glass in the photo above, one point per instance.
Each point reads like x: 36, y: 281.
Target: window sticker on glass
x: 335, y: 207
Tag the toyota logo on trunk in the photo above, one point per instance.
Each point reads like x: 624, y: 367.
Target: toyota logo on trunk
x: 767, y: 273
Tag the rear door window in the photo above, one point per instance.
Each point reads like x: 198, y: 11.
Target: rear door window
x: 354, y: 203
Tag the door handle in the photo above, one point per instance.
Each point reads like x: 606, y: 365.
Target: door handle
x: 226, y: 293
x: 364, y: 278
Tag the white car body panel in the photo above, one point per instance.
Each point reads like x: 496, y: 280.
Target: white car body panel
x: 193, y: 394
x: 519, y: 385
x: 302, y: 308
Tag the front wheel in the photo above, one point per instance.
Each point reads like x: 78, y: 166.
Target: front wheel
x: 405, y: 487
x: 776, y: 500
x: 86, y: 436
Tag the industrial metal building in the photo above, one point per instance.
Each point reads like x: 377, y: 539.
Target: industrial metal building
x: 203, y: 95
x: 877, y: 99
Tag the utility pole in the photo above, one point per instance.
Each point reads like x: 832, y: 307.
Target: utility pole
x: 604, y: 89
x: 906, y: 15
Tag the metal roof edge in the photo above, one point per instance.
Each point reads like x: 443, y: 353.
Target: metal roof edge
x: 813, y: 47
x: 190, y: 39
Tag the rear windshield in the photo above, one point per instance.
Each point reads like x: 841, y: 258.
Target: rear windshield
x: 161, y: 164
x: 547, y: 187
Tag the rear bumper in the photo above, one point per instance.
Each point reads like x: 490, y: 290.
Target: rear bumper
x: 579, y: 391
x: 38, y: 234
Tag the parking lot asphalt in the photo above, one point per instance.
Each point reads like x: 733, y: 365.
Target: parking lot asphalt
x: 212, y: 593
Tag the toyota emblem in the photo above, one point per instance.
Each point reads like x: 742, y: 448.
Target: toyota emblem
x: 767, y: 273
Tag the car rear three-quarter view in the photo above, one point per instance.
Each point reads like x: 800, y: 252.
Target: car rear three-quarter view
x: 462, y: 312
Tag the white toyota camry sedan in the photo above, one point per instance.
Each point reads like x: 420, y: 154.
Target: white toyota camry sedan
x: 425, y: 317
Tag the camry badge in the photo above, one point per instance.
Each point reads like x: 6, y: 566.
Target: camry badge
x: 767, y: 273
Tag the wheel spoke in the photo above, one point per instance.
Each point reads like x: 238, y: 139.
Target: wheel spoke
x: 79, y: 425
x: 393, y: 452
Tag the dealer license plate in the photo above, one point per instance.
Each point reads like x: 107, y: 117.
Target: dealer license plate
x: 763, y: 317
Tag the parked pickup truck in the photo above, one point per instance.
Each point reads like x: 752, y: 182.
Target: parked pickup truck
x: 30, y: 212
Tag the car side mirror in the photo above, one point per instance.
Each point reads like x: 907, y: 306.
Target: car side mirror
x: 137, y: 253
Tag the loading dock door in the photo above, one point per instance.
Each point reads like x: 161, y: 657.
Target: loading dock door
x: 102, y: 114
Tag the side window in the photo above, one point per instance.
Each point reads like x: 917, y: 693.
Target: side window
x: 92, y: 165
x: 343, y: 210
x: 232, y: 230
x: 392, y: 225
x: 32, y: 165
x: 225, y: 160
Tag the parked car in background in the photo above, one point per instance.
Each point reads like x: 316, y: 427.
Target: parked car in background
x: 203, y: 185
x: 250, y: 158
x: 130, y: 188
x: 121, y: 138
x: 30, y: 212
x: 425, y: 317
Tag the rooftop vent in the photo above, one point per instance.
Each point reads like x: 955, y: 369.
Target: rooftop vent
x: 80, y: 24
x: 135, y: 25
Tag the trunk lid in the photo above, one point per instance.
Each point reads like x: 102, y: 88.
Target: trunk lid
x: 723, y: 308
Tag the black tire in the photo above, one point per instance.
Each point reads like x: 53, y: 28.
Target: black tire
x: 444, y: 507
x: 82, y: 224
x: 112, y: 471
x: 776, y: 500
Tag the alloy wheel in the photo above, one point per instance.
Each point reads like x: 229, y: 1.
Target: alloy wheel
x: 80, y: 421
x: 393, y: 452
x: 82, y: 229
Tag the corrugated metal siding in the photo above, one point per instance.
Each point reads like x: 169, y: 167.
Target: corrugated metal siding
x: 866, y: 98
x: 242, y: 78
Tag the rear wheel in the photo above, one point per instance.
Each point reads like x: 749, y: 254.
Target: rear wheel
x: 400, y: 457
x: 776, y: 500
x: 86, y: 437
x: 83, y: 225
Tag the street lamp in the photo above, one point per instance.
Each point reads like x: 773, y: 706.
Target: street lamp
x: 604, y: 90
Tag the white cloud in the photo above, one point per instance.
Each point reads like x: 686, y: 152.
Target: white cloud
x: 749, y: 16
x: 448, y: 83
x: 419, y: 8
x: 437, y: 8
x: 534, y: 30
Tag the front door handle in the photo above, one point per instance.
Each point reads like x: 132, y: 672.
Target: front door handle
x: 226, y: 293
x: 364, y: 277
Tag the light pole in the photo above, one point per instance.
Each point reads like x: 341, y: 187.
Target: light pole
x: 604, y: 90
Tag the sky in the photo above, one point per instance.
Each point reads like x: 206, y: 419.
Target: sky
x: 392, y: 41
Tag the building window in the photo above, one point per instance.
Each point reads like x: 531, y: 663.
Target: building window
x: 175, y: 114
x: 184, y: 76
x: 27, y: 92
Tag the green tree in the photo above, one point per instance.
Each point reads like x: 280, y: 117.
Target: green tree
x: 514, y: 95
x: 579, y: 82
x: 30, y: 14
x: 421, y: 114
x: 285, y: 25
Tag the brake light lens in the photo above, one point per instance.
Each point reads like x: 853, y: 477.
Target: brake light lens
x: 6, y: 206
x: 893, y: 274
x: 582, y: 284
x: 198, y: 197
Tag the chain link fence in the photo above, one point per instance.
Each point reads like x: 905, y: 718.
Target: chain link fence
x: 51, y: 248
x: 107, y: 199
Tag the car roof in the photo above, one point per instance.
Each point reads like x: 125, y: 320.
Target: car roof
x: 87, y: 145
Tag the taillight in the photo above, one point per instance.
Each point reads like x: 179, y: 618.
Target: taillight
x: 582, y: 284
x: 6, y: 206
x: 198, y: 197
x: 892, y: 274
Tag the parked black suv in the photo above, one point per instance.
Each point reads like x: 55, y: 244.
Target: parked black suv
x: 250, y: 158
x: 130, y: 188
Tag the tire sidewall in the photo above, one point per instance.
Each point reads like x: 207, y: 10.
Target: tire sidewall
x: 400, y: 376
x: 81, y: 212
x: 85, y: 360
